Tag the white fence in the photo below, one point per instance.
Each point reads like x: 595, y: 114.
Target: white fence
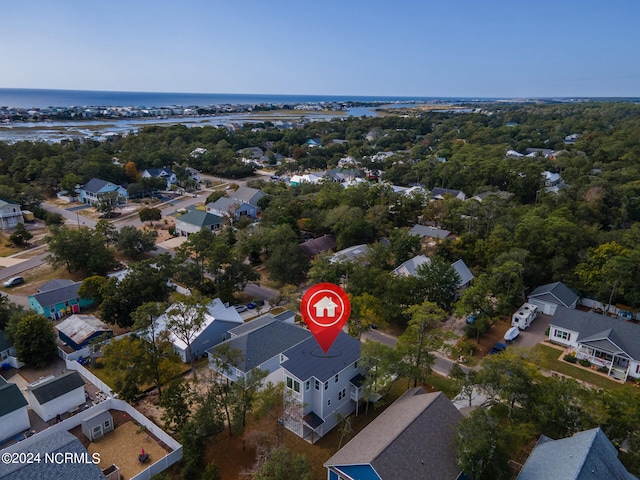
x: 72, y: 365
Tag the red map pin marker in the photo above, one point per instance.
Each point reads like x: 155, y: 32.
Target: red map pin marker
x: 325, y: 308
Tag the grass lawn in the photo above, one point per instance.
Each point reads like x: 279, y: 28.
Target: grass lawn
x: 547, y: 357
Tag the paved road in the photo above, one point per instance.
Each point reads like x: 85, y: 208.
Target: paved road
x: 14, y: 270
x: 259, y: 291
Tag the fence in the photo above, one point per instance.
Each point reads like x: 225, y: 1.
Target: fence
x: 72, y: 365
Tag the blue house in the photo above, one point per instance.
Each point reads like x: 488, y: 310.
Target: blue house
x: 77, y: 331
x: 94, y: 190
x: 57, y: 298
x: 225, y: 206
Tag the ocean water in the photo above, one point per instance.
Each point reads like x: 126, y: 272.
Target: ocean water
x: 34, y: 98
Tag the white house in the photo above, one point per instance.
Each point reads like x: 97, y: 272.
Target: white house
x: 548, y: 297
x: 257, y: 344
x: 218, y: 320
x: 56, y: 395
x: 8, y: 352
x: 14, y: 417
x: 604, y: 341
x: 164, y: 173
x: 321, y: 386
x: 10, y: 214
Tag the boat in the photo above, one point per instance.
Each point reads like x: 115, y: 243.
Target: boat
x: 512, y: 334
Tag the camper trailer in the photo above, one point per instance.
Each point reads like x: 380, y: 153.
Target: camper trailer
x: 524, y: 316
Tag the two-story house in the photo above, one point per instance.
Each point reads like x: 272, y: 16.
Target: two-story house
x: 321, y: 386
x: 95, y: 189
x: 10, y: 214
x: 164, y: 173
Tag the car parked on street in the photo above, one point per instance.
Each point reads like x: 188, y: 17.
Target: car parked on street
x: 14, y: 282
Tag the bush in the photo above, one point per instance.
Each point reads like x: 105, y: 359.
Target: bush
x: 466, y: 347
x: 584, y: 362
x: 603, y: 369
x: 98, y: 363
x: 570, y: 358
x: 172, y: 231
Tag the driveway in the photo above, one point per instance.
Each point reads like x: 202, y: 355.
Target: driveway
x: 535, y: 333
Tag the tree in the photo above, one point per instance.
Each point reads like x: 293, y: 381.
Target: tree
x: 34, y: 339
x: 131, y: 171
x: 134, y: 243
x: 366, y: 311
x: 69, y: 183
x: 437, y: 281
x: 107, y: 203
x: 184, y: 319
x: 80, y: 249
x: 464, y: 381
x: 177, y: 402
x: 20, y: 235
x: 150, y: 214
x: 283, y: 464
x: 479, y: 442
x: 421, y: 336
x: 94, y: 287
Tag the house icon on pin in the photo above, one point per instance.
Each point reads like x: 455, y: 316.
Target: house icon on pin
x: 325, y: 307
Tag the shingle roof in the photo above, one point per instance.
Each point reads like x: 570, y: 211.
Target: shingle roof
x: 313, y: 247
x: 350, y: 254
x: 11, y: 398
x: 58, y: 295
x: 261, y: 322
x: 441, y: 192
x: 157, y: 172
x: 55, y: 283
x: 224, y: 204
x: 592, y: 327
x: 200, y: 218
x: 410, y: 439
x: 307, y: 359
x: 558, y: 290
x: 4, y: 203
x: 57, y: 442
x: 248, y: 195
x: 463, y: 272
x: 94, y: 185
x: 259, y: 345
x: 56, y: 387
x: 433, y: 232
x: 584, y: 456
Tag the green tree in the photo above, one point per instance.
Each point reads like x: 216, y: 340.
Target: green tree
x: 107, y: 203
x: 20, y: 235
x: 437, y: 281
x: 366, y: 310
x: 69, y: 183
x: 135, y: 243
x: 80, y: 249
x: 283, y: 464
x: 150, y: 214
x: 34, y: 339
x: 177, y: 402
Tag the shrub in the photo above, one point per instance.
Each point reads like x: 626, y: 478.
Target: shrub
x: 570, y: 358
x: 172, y: 231
x: 466, y: 347
x: 584, y: 362
x: 603, y: 369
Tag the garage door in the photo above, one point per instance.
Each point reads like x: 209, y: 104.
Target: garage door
x: 544, y: 307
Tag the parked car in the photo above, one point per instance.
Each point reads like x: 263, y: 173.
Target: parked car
x: 254, y: 304
x: 470, y: 319
x: 499, y: 347
x: 240, y: 308
x: 14, y: 282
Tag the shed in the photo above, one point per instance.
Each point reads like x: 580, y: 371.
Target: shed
x: 97, y: 426
x: 78, y: 330
x: 57, y: 395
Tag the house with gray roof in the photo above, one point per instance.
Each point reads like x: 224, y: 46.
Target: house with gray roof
x: 8, y: 355
x: 253, y: 346
x: 164, y: 173
x: 586, y: 455
x: 605, y: 341
x: 439, y: 193
x: 195, y: 220
x: 77, y: 331
x: 356, y: 253
x: 315, y: 246
x: 58, y: 298
x: 14, y: 416
x: 233, y: 208
x: 321, y: 385
x: 548, y: 297
x: 411, y: 267
x: 56, y: 445
x: 424, y: 231
x: 96, y: 189
x: 410, y: 439
x: 56, y: 395
x: 247, y: 195
x: 10, y: 214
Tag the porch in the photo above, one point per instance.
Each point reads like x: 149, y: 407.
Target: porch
x: 616, y: 363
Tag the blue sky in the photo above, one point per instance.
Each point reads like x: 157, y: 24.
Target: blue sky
x: 473, y: 48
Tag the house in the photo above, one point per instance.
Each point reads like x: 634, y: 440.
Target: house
x: 257, y: 344
x: 584, y: 456
x: 164, y: 173
x: 8, y: 355
x: 193, y: 173
x: 58, y: 298
x: 355, y: 253
x: 77, y: 331
x: 321, y: 386
x: 312, y: 177
x: 440, y: 193
x: 10, y: 214
x: 500, y: 194
x: 247, y: 195
x: 423, y: 232
x: 571, y: 139
x: 195, y: 220
x: 315, y: 246
x: 605, y: 341
x: 544, y: 152
x: 218, y: 320
x: 548, y: 297
x: 229, y: 207
x: 313, y: 142
x: 410, y: 439
x: 54, y: 396
x: 98, y: 425
x: 93, y: 191
x: 14, y: 416
x: 551, y: 179
x: 410, y: 268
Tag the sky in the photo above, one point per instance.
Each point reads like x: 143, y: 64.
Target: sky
x: 445, y: 48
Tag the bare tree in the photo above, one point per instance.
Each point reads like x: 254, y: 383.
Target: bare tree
x: 185, y: 318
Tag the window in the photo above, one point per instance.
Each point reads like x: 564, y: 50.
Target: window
x: 317, y: 385
x: 326, y: 385
x: 342, y: 394
x: 637, y: 368
x: 336, y: 378
x: 289, y: 382
x: 562, y: 335
x: 355, y: 365
x: 296, y: 386
x: 328, y: 402
x: 107, y: 424
x: 307, y: 384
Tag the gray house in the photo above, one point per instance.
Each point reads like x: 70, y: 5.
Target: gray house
x: 14, y: 417
x: 584, y: 456
x: 56, y: 395
x: 97, y: 426
x: 230, y: 207
x: 548, y: 297
x: 409, y: 440
x: 410, y: 268
x: 247, y: 195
